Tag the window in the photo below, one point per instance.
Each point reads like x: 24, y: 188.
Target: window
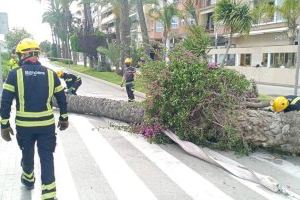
x: 276, y: 17
x: 210, y: 22
x: 282, y: 60
x: 230, y: 61
x: 245, y: 60
x: 174, y: 22
x: 158, y: 27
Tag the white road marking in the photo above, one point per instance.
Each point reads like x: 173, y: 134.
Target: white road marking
x: 66, y: 188
x: 123, y: 181
x: 190, y: 181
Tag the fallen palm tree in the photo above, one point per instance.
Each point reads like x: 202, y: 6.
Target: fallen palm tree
x: 261, y: 128
x: 258, y: 128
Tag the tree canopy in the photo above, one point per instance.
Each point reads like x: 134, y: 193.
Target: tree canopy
x: 13, y: 37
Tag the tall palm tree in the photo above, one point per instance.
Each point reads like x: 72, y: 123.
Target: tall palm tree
x: 125, y: 30
x: 143, y: 25
x: 165, y: 15
x: 289, y: 10
x: 53, y: 17
x: 235, y: 17
x: 191, y: 11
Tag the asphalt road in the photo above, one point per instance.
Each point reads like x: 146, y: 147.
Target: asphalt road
x: 95, y: 161
x: 276, y: 90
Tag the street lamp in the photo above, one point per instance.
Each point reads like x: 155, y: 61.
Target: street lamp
x: 298, y: 60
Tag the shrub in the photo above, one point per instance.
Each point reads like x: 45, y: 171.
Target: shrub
x: 196, y: 101
x: 4, y: 64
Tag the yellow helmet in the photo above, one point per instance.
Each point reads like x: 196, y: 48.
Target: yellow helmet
x: 128, y: 61
x: 280, y: 103
x: 60, y: 73
x: 27, y: 45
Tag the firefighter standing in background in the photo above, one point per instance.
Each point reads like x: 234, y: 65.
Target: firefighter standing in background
x: 13, y: 62
x: 73, y: 82
x: 128, y: 79
x: 33, y: 87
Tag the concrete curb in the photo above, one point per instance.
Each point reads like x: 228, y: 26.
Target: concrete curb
x: 139, y: 94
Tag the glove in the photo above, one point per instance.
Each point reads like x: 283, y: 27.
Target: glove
x: 6, y: 132
x: 121, y: 84
x: 63, y: 124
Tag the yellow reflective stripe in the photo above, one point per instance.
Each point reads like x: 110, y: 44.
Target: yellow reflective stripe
x: 35, y: 114
x: 294, y: 101
x: 28, y: 179
x: 35, y: 123
x: 69, y: 79
x: 30, y: 176
x: 4, y: 121
x: 58, y: 89
x: 50, y: 186
x: 48, y: 195
x: 51, y: 88
x: 20, y: 89
x: 9, y: 87
x: 64, y: 115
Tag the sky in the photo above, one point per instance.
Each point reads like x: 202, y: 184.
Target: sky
x: 27, y: 14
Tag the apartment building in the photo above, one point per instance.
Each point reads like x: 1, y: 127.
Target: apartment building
x: 265, y: 55
x: 267, y: 44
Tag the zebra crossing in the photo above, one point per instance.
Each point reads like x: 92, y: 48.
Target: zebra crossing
x: 94, y: 161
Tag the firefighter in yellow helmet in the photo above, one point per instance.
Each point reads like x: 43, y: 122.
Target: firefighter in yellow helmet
x: 128, y: 78
x: 33, y: 86
x: 13, y: 62
x: 73, y: 82
x: 286, y: 103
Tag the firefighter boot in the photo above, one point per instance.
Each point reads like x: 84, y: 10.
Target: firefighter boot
x: 28, y: 180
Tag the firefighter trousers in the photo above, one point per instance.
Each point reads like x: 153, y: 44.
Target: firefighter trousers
x: 130, y: 90
x: 46, y: 142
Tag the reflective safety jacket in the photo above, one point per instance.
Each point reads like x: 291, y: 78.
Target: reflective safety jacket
x: 33, y: 87
x: 129, y: 74
x: 13, y: 63
x: 72, y: 81
x: 294, y: 103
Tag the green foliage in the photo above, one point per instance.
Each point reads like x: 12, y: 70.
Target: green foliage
x: 54, y: 53
x: 197, y: 45
x: 13, y: 37
x: 197, y: 102
x: 5, y: 64
x: 75, y: 43
x: 45, y: 46
x: 235, y: 16
x: 112, y: 52
x: 164, y: 14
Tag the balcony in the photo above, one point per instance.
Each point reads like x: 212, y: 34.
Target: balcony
x: 207, y: 3
x: 207, y: 6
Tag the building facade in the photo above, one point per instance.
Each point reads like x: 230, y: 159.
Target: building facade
x: 265, y: 55
x: 267, y: 44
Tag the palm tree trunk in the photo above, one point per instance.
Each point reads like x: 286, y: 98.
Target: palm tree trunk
x: 227, y: 50
x: 258, y: 128
x: 118, y: 40
x: 143, y: 25
x: 118, y: 31
x: 125, y: 31
x: 84, y: 59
